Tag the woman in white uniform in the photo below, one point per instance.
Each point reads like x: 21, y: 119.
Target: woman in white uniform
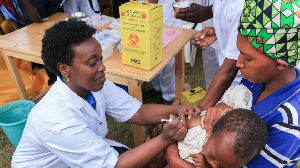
x: 67, y: 128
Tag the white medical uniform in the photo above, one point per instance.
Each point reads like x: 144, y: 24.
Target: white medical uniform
x: 63, y: 130
x: 165, y: 80
x: 226, y: 15
x: 72, y: 6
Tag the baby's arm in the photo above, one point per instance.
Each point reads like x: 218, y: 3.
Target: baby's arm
x: 193, y: 121
x: 172, y: 156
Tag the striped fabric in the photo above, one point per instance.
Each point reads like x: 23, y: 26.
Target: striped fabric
x: 281, y: 113
x: 10, y: 9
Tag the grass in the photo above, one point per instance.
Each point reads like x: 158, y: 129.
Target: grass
x: 6, y: 150
x: 120, y: 132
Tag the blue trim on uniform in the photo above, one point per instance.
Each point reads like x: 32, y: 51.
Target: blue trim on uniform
x: 124, y: 87
x: 91, y: 100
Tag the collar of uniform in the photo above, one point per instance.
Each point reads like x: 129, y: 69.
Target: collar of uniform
x: 76, y: 100
x: 68, y: 94
x: 276, y: 99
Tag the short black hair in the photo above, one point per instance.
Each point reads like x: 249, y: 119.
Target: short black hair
x: 251, y: 131
x: 59, y: 40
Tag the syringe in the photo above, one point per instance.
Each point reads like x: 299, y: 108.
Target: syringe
x: 170, y: 120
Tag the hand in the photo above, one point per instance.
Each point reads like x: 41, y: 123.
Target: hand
x: 174, y: 131
x: 196, y: 13
x: 212, y: 116
x: 187, y: 111
x: 33, y: 14
x: 204, y: 38
x: 200, y: 161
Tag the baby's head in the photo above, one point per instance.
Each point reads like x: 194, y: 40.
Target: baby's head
x: 236, y: 138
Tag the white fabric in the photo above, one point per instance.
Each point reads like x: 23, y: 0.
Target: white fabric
x: 226, y: 15
x: 238, y: 97
x: 192, y: 143
x: 63, y: 130
x: 165, y: 80
x: 210, y: 64
x: 72, y: 6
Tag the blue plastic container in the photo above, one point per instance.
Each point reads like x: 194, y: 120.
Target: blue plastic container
x: 13, y: 117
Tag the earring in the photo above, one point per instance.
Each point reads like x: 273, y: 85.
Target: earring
x: 67, y: 76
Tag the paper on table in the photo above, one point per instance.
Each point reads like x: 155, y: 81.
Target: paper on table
x: 169, y: 35
x: 101, y: 20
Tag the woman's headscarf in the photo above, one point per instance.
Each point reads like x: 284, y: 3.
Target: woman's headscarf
x: 272, y: 26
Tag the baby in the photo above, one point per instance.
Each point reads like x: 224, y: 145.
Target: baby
x: 236, y: 138
x: 238, y: 97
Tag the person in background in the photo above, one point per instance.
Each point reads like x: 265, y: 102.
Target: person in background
x: 236, y: 138
x: 12, y: 14
x: 116, y: 5
x: 225, y: 16
x: 209, y: 55
x: 34, y: 11
x: 67, y: 127
x: 89, y: 7
x: 268, y: 41
x: 2, y: 19
x: 34, y: 79
x: 165, y: 80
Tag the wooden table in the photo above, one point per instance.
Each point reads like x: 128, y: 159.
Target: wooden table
x: 26, y: 44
